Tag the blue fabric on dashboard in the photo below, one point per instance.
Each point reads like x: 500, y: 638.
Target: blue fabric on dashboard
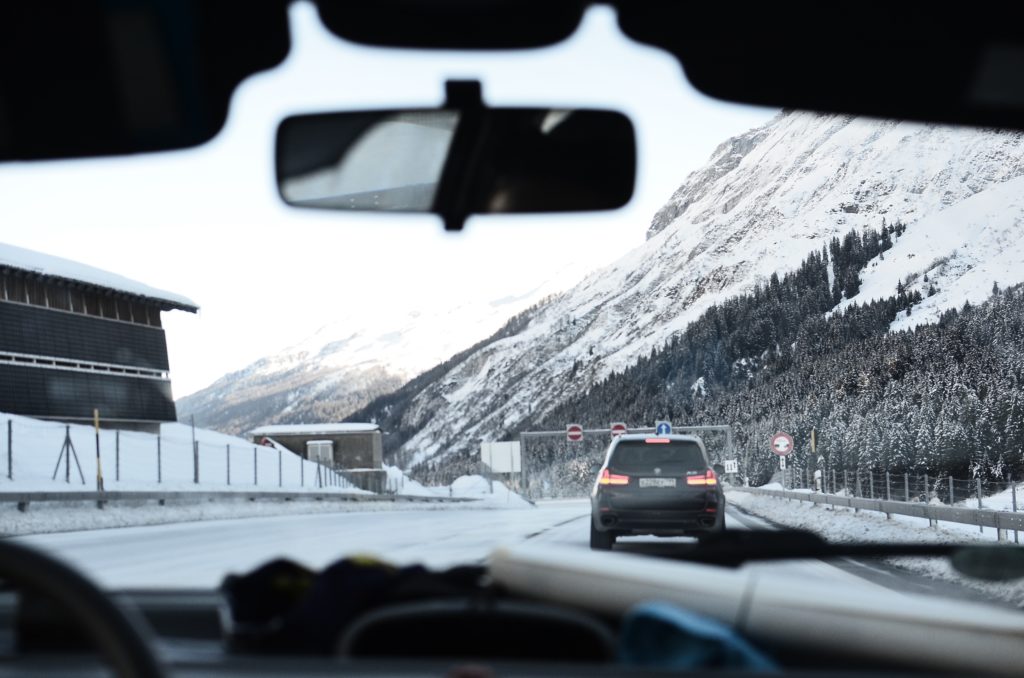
x: 660, y: 635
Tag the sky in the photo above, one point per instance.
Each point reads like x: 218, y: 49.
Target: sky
x: 208, y: 223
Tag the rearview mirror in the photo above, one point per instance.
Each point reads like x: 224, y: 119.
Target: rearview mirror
x: 458, y: 160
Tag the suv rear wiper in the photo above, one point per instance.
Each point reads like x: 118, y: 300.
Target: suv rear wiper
x: 736, y: 547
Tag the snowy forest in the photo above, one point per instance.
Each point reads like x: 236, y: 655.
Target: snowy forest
x: 944, y: 398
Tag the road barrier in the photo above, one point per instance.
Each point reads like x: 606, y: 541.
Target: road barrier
x: 24, y: 499
x: 1002, y: 521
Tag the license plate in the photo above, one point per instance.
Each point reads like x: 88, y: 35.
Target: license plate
x: 657, y: 482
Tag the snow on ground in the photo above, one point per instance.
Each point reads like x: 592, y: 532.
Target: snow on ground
x: 842, y: 524
x: 487, y: 492
x: 132, y: 460
x: 470, y: 487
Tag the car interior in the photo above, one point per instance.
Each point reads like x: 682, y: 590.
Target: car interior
x: 112, y: 78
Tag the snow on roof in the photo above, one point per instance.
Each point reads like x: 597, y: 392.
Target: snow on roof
x: 46, y: 264
x: 312, y: 429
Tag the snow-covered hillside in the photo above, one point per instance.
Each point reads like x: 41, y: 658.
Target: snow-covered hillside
x: 765, y: 201
x: 347, y: 363
x: 955, y: 256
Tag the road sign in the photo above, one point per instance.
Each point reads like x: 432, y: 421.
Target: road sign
x: 574, y: 432
x: 502, y: 457
x: 663, y: 428
x: 732, y: 466
x: 618, y: 429
x: 782, y: 444
x: 782, y: 463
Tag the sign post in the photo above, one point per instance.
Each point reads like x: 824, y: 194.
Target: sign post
x: 782, y: 445
x: 732, y: 467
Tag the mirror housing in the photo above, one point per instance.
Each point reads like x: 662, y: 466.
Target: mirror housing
x: 461, y: 159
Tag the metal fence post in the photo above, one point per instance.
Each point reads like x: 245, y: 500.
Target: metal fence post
x: 1013, y: 494
x: 255, y: 473
x: 977, y: 485
x: 888, y: 493
x: 833, y: 481
x: 859, y: 492
x: 951, y: 490
x: 227, y: 457
x: 10, y: 452
x: 928, y: 496
x: 302, y: 472
x: 279, y: 476
x: 159, y: 473
x: 117, y: 455
x: 906, y: 487
x: 195, y: 462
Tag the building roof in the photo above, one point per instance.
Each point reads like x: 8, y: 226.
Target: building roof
x: 58, y: 267
x: 312, y: 429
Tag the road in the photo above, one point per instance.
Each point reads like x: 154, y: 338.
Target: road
x: 200, y: 554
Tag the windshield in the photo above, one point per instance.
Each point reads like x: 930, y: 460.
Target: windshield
x: 667, y: 457
x: 831, y: 304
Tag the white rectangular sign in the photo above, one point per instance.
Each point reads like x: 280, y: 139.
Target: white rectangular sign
x: 732, y: 466
x: 501, y: 457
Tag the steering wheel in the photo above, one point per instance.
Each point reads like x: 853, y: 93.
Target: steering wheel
x: 120, y: 635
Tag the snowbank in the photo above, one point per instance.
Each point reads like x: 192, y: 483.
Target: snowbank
x: 131, y: 460
x: 842, y: 524
x: 489, y: 493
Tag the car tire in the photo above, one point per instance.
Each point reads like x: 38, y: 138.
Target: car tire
x: 600, y: 541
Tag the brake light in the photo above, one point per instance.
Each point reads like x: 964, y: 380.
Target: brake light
x: 661, y: 441
x: 609, y: 478
x: 708, y: 478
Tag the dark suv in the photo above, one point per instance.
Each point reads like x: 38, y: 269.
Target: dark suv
x: 660, y: 485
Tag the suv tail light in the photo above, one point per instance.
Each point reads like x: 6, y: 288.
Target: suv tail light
x: 609, y: 478
x: 709, y: 478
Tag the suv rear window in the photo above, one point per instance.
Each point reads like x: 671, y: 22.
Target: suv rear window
x: 677, y: 457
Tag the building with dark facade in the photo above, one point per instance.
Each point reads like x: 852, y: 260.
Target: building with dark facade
x: 74, y: 338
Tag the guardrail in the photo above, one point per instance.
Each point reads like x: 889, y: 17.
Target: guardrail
x: 24, y: 499
x: 1000, y: 520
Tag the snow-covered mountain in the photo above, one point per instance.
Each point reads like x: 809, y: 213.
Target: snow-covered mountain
x: 765, y: 200
x: 344, y: 365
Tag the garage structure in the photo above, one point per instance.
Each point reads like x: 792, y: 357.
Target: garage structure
x: 354, y: 449
x: 74, y: 338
